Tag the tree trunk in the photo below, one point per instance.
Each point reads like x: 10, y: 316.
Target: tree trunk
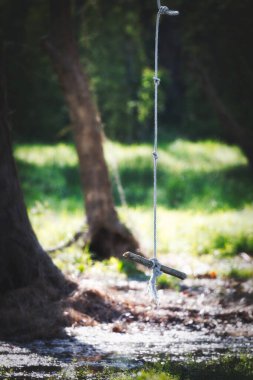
x: 22, y: 260
x: 107, y: 236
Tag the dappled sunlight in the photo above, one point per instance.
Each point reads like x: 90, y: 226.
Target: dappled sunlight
x: 204, y: 195
x: 205, y: 155
x: 179, y: 156
x: 195, y: 233
x: 49, y: 177
x: 52, y: 227
x: 43, y: 155
x: 201, y: 175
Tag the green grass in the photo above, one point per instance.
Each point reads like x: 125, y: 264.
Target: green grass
x: 167, y: 282
x: 198, y: 176
x: 49, y: 177
x: 225, y: 368
x: 205, y: 196
x: 241, y: 274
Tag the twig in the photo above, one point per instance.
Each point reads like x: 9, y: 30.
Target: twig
x: 148, y: 263
x: 78, y: 235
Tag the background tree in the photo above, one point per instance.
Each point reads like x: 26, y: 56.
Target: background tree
x: 107, y: 236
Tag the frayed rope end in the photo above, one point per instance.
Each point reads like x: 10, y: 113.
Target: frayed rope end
x: 156, y: 272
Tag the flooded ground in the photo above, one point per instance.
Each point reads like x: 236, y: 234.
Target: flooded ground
x: 204, y: 319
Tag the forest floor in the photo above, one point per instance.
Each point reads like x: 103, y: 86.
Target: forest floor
x: 221, y: 306
x: 203, y: 318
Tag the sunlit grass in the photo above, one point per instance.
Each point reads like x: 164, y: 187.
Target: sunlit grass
x: 205, y: 196
x: 241, y: 274
x: 225, y: 368
x: 61, y: 155
x: 146, y: 375
x: 228, y: 367
x: 49, y: 177
x: 221, y: 232
x: 179, y: 155
x: 197, y: 176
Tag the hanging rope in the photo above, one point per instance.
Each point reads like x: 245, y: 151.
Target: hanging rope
x: 154, y: 264
x: 156, y: 269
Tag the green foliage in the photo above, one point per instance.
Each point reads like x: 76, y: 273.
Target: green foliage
x: 130, y: 269
x: 187, y: 173
x: 114, y: 55
x: 116, y: 41
x: 235, y: 242
x: 145, y: 103
x: 6, y: 374
x: 241, y: 274
x: 167, y: 282
x: 52, y: 172
x: 225, y: 368
x: 146, y: 375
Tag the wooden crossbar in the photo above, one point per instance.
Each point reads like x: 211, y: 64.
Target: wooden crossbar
x: 149, y: 264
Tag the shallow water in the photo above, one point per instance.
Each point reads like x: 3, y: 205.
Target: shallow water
x: 99, y: 347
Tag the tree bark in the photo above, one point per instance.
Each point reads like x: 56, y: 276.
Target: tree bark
x: 107, y: 236
x: 22, y: 259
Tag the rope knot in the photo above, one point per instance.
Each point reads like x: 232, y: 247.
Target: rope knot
x: 156, y: 80
x: 156, y: 272
x: 163, y: 10
x: 155, y: 155
x: 156, y: 266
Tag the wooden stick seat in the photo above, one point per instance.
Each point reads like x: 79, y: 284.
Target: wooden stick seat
x: 149, y: 264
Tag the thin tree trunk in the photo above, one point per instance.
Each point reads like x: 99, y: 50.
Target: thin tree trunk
x: 108, y: 237
x: 22, y: 260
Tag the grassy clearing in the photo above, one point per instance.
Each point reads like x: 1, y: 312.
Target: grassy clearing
x: 205, y: 196
x: 198, y: 176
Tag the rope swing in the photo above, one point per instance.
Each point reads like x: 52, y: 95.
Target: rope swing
x: 154, y: 264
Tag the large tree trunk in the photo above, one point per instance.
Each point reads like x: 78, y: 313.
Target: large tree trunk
x: 22, y: 260
x: 30, y: 284
x: 107, y: 236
